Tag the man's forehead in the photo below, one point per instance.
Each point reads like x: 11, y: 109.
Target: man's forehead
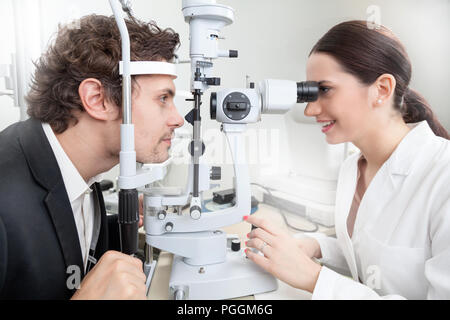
x: 156, y: 83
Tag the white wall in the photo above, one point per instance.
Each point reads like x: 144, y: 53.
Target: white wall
x: 275, y: 37
x: 8, y: 114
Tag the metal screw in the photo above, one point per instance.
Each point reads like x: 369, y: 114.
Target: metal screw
x: 169, y: 226
x: 195, y: 214
x: 162, y: 215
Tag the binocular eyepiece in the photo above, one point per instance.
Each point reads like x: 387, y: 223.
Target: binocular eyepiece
x: 307, y: 91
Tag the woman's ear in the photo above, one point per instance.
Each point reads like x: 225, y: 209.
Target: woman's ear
x: 94, y: 102
x: 384, y: 89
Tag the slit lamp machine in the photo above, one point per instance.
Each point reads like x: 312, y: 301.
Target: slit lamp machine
x: 207, y: 264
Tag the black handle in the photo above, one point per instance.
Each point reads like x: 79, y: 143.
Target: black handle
x: 128, y: 220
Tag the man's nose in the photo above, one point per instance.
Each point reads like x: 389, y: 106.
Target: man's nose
x: 176, y: 120
x: 313, y: 109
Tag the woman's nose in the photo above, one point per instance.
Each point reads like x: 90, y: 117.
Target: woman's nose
x: 312, y: 109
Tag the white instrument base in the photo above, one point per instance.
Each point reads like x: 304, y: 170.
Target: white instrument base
x: 236, y: 277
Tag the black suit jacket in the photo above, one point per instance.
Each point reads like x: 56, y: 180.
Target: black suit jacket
x: 38, y: 235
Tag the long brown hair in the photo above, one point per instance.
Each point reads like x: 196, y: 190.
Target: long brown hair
x: 367, y: 53
x: 91, y: 49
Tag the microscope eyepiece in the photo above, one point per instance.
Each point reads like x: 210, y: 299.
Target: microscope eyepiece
x: 307, y: 91
x: 273, y: 96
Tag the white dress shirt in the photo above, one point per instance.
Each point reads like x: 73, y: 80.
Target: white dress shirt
x: 80, y: 195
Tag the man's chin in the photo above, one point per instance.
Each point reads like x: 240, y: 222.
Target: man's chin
x: 154, y: 159
x: 162, y: 159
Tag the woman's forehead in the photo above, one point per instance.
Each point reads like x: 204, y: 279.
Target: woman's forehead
x: 322, y: 67
x: 321, y: 64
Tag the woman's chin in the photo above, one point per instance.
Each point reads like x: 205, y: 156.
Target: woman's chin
x: 334, y: 140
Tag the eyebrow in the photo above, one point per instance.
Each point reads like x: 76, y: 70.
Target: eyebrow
x: 324, y: 81
x: 168, y: 91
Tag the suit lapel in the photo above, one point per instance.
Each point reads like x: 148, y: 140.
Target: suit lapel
x: 45, y: 170
x: 102, y: 242
x: 60, y: 211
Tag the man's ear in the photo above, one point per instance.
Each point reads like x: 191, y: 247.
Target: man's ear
x: 384, y: 89
x: 94, y: 102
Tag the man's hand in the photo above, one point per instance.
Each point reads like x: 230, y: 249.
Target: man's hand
x: 116, y: 276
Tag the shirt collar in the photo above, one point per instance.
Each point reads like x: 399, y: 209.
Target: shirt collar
x: 73, y: 181
x: 404, y: 155
x: 402, y: 158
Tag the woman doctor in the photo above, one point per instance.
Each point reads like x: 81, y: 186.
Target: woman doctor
x: 392, y: 216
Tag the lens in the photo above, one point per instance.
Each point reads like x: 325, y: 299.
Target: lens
x: 307, y: 91
x: 213, y: 105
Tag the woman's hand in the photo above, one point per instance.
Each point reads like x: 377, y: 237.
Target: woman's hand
x: 310, y: 246
x: 283, y: 257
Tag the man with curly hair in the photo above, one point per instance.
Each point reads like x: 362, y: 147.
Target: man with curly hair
x: 53, y: 225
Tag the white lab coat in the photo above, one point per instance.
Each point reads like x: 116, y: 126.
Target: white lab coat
x: 400, y: 248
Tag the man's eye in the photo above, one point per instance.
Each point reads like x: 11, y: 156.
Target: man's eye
x: 163, y: 99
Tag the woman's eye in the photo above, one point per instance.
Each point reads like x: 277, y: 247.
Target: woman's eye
x: 163, y: 99
x: 324, y: 89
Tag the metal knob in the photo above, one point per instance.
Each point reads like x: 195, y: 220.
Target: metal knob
x: 196, y: 212
x: 169, y: 226
x: 235, y: 245
x: 179, y: 295
x: 162, y: 215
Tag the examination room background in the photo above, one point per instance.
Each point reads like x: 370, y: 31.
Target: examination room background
x: 273, y: 39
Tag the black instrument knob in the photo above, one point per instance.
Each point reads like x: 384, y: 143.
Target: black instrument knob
x: 105, y: 185
x: 216, y: 173
x: 235, y: 245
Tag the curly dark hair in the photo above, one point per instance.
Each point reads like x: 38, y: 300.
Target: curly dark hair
x: 91, y: 49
